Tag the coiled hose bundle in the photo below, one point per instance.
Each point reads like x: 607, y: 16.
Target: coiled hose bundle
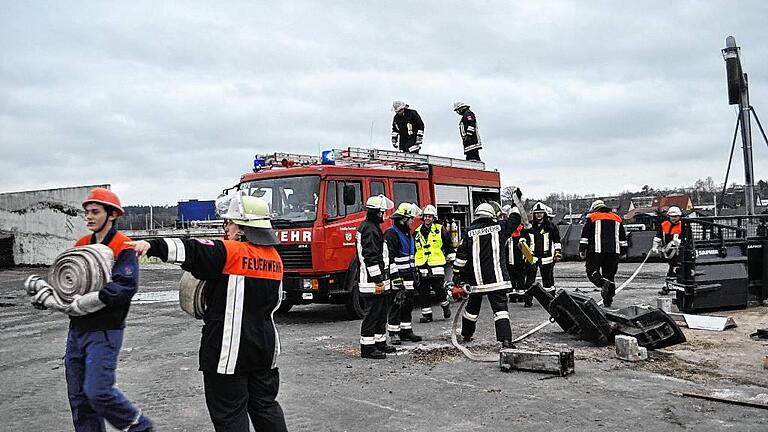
x: 80, y: 270
x: 191, y: 292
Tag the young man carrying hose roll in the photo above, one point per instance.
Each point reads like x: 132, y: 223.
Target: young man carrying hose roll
x: 97, y: 323
x: 240, y: 344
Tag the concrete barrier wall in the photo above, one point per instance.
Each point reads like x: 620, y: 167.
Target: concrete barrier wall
x: 42, y: 223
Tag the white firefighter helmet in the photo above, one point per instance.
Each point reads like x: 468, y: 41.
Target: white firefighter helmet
x: 485, y: 210
x: 429, y: 210
x: 398, y: 105
x: 674, y: 211
x: 550, y: 212
x: 379, y: 202
x: 596, y: 204
x: 459, y: 105
x: 507, y: 209
x: 244, y: 210
x: 539, y: 207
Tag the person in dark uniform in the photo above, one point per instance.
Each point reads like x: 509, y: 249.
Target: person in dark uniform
x: 374, y: 284
x: 240, y: 345
x: 402, y: 248
x: 481, y: 264
x: 470, y: 136
x: 517, y: 266
x: 407, y: 128
x: 666, y: 243
x: 543, y: 239
x: 603, y: 241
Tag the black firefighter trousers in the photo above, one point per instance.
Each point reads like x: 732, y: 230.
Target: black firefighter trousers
x: 602, y: 266
x: 231, y: 399
x: 498, y: 301
x: 373, y: 329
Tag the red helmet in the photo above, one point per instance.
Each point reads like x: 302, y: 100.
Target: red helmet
x: 105, y: 197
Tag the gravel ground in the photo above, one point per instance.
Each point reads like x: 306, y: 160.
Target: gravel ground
x: 428, y: 386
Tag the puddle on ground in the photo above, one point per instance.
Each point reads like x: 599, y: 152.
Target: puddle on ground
x: 155, y: 297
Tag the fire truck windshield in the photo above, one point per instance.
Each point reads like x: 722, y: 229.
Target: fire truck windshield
x: 291, y: 200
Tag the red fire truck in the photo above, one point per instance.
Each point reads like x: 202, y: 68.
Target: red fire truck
x: 317, y: 203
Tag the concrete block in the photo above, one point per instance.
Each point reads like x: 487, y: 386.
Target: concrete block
x: 664, y: 303
x: 558, y: 363
x: 627, y: 349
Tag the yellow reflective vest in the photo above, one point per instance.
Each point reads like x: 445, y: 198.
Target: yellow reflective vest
x: 429, y: 251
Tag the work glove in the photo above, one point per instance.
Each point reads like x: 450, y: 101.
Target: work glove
x: 394, y: 142
x: 558, y: 256
x: 379, y: 288
x: 583, y: 254
x: 85, y: 304
x: 398, y: 284
x: 458, y: 292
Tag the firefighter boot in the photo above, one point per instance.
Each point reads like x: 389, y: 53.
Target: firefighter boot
x: 394, y: 338
x: 527, y: 300
x: 426, y: 318
x: 507, y: 343
x: 408, y: 336
x: 385, y: 348
x: 446, y: 311
x: 370, y: 351
x: 607, y: 292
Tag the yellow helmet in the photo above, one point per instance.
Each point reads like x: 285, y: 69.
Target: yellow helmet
x: 407, y: 210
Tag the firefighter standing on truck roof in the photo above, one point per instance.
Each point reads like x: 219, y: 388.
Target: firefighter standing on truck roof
x: 407, y: 128
x: 470, y: 136
x: 240, y: 344
x: 603, y: 241
x: 402, y: 248
x: 543, y: 239
x: 480, y: 264
x: 374, y: 284
x: 666, y: 242
x: 96, y: 326
x: 433, y: 251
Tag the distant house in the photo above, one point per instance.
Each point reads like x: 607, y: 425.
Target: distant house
x: 647, y: 212
x: 681, y: 201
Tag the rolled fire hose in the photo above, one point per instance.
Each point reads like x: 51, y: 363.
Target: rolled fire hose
x: 80, y: 270
x: 495, y: 358
x: 191, y: 291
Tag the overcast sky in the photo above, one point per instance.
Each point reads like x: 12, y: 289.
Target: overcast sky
x: 169, y: 101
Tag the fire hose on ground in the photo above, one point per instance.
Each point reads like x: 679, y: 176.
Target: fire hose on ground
x: 495, y: 358
x: 74, y: 273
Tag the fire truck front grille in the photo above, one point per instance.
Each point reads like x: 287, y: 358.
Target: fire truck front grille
x: 295, y: 256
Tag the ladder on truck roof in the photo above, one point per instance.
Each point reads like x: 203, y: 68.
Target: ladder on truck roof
x: 372, y: 158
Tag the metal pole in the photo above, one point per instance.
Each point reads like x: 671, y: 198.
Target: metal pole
x: 746, y: 138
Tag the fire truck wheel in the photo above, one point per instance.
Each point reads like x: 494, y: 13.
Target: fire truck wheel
x: 285, y: 306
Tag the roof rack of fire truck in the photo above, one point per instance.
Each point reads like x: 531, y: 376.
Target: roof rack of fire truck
x: 363, y: 157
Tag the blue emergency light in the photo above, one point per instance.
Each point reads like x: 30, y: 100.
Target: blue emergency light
x: 259, y: 164
x: 328, y: 157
